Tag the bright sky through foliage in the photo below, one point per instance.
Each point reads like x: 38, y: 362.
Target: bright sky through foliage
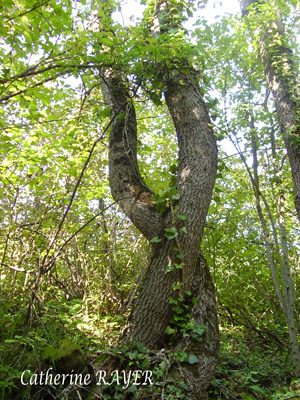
x: 132, y: 10
x: 212, y: 9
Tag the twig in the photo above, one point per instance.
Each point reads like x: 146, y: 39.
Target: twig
x: 17, y: 269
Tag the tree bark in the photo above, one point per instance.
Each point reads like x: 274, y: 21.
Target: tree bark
x: 282, y: 79
x: 197, y: 166
x: 126, y: 183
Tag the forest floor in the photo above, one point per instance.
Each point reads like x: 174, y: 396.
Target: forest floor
x: 254, y: 362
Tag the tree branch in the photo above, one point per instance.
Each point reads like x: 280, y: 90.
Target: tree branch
x: 124, y: 174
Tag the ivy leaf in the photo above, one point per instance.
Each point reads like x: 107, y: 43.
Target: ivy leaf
x: 168, y: 268
x: 155, y: 239
x: 175, y: 196
x: 171, y: 233
x: 182, y: 356
x: 178, y: 317
x: 169, y: 330
x: 194, y: 300
x: 178, y: 310
x: 199, y: 329
x: 192, y: 359
x: 179, y: 266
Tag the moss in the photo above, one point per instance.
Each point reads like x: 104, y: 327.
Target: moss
x: 65, y: 356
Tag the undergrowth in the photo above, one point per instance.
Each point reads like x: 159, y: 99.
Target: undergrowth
x: 254, y: 364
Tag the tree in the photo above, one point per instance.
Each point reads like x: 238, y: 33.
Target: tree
x: 281, y: 75
x: 175, y: 305
x: 88, y: 103
x: 174, y: 223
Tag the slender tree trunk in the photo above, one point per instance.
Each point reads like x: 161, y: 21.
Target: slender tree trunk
x: 288, y: 284
x: 286, y: 300
x: 282, y: 79
x: 280, y: 73
x: 278, y: 255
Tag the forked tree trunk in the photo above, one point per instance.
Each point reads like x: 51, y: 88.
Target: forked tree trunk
x: 197, y: 166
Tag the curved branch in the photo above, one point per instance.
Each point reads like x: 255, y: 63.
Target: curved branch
x: 126, y: 183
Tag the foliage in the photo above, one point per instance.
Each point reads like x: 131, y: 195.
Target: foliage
x: 58, y: 219
x: 253, y: 367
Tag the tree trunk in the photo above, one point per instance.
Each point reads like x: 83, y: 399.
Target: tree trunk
x: 281, y: 76
x: 197, y: 164
x: 176, y: 258
x: 280, y: 73
x: 152, y: 311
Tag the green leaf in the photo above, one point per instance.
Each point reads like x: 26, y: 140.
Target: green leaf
x: 199, y: 329
x: 155, y: 239
x: 189, y: 13
x: 180, y: 255
x: 106, y: 112
x: 181, y: 355
x: 171, y: 233
x: 173, y: 168
x: 178, y: 318
x: 175, y: 196
x: 177, y: 309
x: 178, y: 266
x: 161, y: 209
x: 169, y: 268
x: 169, y: 330
x: 157, y: 84
x: 192, y: 359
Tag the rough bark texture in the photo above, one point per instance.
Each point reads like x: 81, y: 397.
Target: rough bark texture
x: 199, y: 375
x: 197, y: 166
x: 196, y: 174
x: 282, y: 80
x: 126, y: 183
